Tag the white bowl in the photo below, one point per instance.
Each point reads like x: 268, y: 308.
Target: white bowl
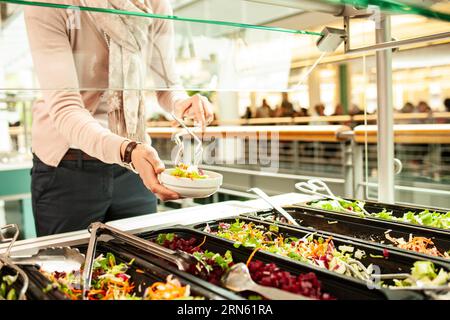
x: 192, y: 188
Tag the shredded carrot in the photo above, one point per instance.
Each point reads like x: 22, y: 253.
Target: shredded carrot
x: 252, y: 256
x: 420, y: 245
x: 166, y: 291
x: 201, y: 244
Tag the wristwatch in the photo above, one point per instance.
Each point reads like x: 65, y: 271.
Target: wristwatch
x: 127, y: 156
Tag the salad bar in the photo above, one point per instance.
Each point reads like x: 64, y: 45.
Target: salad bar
x: 423, y: 241
x: 343, y: 256
x: 257, y: 255
x: 424, y: 217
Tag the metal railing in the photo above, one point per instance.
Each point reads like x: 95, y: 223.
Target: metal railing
x: 334, y: 153
x: 349, y: 120
x: 337, y: 155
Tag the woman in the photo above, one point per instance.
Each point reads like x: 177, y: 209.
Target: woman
x: 85, y: 138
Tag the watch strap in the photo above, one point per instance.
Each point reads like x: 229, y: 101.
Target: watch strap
x: 127, y: 159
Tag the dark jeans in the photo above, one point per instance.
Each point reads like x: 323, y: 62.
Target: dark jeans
x: 78, y: 193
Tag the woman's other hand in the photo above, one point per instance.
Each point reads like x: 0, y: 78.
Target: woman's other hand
x: 147, y: 163
x: 197, y: 108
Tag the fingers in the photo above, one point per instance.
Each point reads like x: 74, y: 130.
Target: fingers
x: 153, y: 158
x: 199, y: 111
x: 160, y: 191
x: 183, y: 107
x: 208, y: 110
x: 152, y: 183
x: 149, y: 165
x: 197, y: 107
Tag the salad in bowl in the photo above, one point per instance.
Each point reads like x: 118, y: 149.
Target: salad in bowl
x: 189, y: 172
x: 191, y: 182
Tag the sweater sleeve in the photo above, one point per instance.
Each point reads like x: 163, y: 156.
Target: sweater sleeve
x: 162, y: 63
x: 56, y: 72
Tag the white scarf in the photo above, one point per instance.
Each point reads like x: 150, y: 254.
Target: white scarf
x: 128, y: 42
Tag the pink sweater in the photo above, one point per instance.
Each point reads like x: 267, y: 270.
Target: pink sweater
x: 69, y: 63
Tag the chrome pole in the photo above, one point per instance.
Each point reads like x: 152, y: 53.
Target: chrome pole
x: 392, y: 44
x: 386, y: 181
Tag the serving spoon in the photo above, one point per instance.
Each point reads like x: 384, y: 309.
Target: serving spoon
x: 238, y: 279
x: 62, y: 259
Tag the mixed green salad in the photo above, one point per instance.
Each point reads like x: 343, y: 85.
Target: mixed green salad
x: 315, y: 250
x: 426, y: 218
x: 188, y: 172
x: 7, y: 292
x: 424, y: 273
x: 265, y: 274
x: 310, y: 249
x: 110, y: 281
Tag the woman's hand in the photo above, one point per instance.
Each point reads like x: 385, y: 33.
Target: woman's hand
x: 148, y: 164
x: 196, y: 107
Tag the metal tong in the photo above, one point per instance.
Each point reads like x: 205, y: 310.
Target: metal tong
x: 5, y: 261
x: 181, y: 259
x: 319, y: 188
x: 198, y: 154
x: 274, y: 206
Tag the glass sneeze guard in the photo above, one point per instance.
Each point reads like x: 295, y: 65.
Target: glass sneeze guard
x: 210, y: 55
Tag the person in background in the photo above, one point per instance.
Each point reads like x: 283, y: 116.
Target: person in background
x: 421, y: 153
x: 264, y: 111
x: 319, y: 110
x: 423, y: 107
x: 304, y: 112
x: 408, y: 108
x: 447, y: 105
x: 248, y: 113
x: 445, y: 119
x: 447, y: 109
x: 338, y: 111
x: 287, y: 108
x: 354, y: 111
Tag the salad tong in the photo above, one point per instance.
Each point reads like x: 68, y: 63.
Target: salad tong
x: 319, y: 188
x: 274, y: 206
x: 9, y: 234
x: 198, y: 153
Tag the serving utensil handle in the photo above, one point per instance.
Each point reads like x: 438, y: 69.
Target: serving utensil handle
x: 275, y: 206
x: 276, y: 294
x: 11, y: 240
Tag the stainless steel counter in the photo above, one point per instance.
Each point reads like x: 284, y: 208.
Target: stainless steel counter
x: 185, y: 216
